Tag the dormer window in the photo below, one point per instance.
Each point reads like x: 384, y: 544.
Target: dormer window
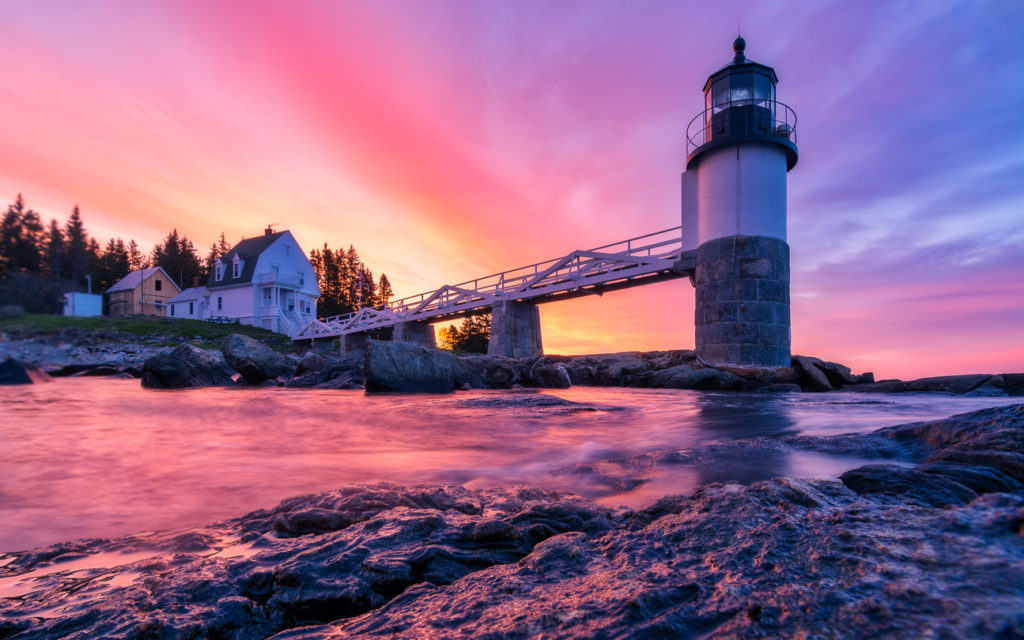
x: 219, y: 269
x: 236, y: 267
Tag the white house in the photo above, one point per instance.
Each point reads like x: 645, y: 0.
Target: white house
x: 266, y: 281
x: 191, y: 303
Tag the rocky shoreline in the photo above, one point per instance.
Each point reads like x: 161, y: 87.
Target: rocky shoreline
x: 925, y: 543
x: 387, y: 366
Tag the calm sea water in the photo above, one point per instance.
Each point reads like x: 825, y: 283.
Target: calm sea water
x: 98, y: 458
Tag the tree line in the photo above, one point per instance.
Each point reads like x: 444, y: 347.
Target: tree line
x: 346, y: 284
x: 471, y: 336
x: 39, y: 263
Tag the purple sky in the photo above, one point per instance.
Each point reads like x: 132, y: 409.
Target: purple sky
x: 449, y: 140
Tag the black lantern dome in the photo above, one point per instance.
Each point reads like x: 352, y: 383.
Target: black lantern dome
x: 740, y: 106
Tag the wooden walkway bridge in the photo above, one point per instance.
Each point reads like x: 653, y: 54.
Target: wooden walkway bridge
x: 654, y: 257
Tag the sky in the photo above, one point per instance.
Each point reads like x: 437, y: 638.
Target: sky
x: 452, y: 139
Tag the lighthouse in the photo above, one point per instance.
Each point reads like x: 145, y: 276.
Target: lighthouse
x: 738, y: 153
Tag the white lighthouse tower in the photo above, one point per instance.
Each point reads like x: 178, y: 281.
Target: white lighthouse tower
x: 739, y: 150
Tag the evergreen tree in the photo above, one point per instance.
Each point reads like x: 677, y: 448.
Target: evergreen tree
x: 21, y: 240
x: 136, y: 260
x: 113, y: 264
x: 76, y: 248
x: 92, y: 263
x: 367, y: 288
x: 472, y: 336
x: 384, y: 291
x: 55, y: 251
x: 177, y: 256
x: 217, y: 250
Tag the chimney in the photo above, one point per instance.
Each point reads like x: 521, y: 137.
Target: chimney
x: 195, y: 282
x: 268, y: 231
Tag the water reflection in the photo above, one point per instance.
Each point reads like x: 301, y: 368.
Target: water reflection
x: 723, y: 418
x: 91, y: 457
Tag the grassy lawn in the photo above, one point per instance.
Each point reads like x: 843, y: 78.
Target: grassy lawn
x: 159, y: 327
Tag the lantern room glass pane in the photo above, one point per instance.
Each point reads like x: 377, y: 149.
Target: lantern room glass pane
x: 741, y: 88
x: 721, y: 93
x: 762, y: 90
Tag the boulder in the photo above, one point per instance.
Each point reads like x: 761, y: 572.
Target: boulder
x: 400, y: 366
x: 811, y: 376
x: 254, y: 360
x: 548, y: 374
x: 16, y: 372
x: 186, y: 366
x: 882, y: 386
x: 704, y: 378
x: 782, y: 387
x: 766, y: 375
x: 485, y: 372
x: 838, y: 375
x: 1013, y: 383
x: 344, y: 374
x: 312, y: 361
x: 949, y: 384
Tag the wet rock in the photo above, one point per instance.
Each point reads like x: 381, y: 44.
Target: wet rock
x: 949, y: 384
x: 765, y: 375
x: 485, y: 372
x: 186, y: 366
x: 781, y: 388
x: 811, y: 376
x: 399, y: 366
x: 930, y: 547
x: 14, y: 372
x: 687, y: 377
x: 314, y: 362
x: 882, y: 386
x: 1013, y: 383
x: 339, y: 374
x: 548, y: 374
x: 254, y: 360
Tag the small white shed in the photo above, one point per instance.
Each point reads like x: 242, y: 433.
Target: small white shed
x: 83, y: 305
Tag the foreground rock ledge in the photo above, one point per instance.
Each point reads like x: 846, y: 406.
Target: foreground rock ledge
x: 932, y: 548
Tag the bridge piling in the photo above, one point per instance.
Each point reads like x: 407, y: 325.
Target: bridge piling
x: 515, y: 330
x: 352, y: 343
x: 420, y: 333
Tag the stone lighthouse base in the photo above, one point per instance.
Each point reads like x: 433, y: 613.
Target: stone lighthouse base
x: 742, y: 310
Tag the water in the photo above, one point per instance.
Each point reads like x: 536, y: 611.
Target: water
x: 95, y: 457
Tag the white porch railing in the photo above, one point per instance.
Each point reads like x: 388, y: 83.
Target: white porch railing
x: 272, y: 277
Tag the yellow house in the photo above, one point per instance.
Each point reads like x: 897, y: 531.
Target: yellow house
x: 144, y: 292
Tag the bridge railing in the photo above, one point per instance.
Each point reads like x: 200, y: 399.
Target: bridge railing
x: 519, y: 283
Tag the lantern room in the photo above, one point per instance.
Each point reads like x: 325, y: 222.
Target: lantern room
x: 740, y: 106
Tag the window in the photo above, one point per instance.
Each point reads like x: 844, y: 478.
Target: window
x: 159, y: 285
x: 158, y: 306
x: 220, y: 270
x: 236, y: 269
x: 220, y: 303
x: 190, y: 308
x: 172, y: 309
x: 302, y: 278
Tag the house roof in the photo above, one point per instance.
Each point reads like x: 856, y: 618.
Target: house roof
x: 248, y: 250
x: 135, y: 278
x: 189, y: 295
